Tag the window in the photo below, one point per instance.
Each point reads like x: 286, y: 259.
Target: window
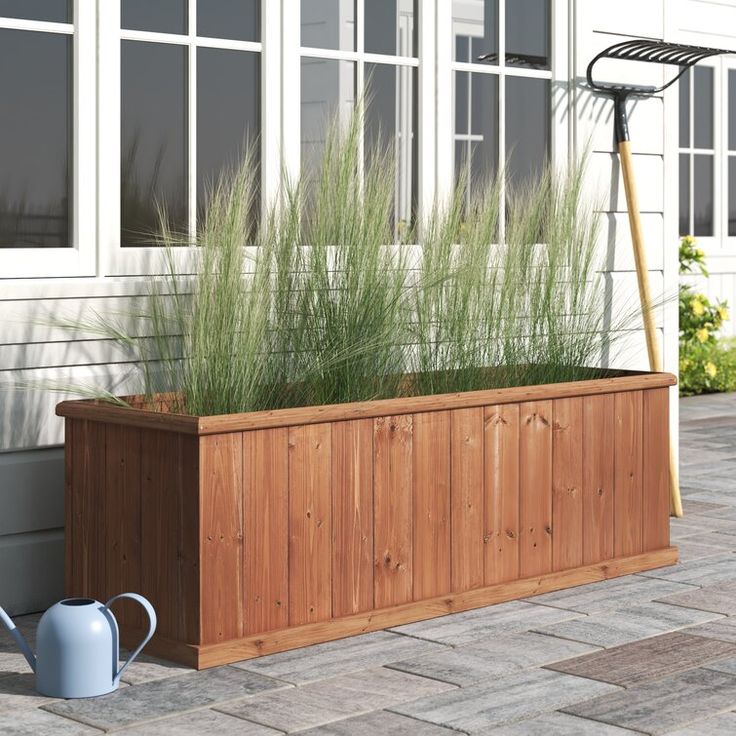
x: 346, y: 55
x: 502, y: 72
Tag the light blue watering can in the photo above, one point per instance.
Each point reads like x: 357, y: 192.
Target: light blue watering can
x: 77, y: 647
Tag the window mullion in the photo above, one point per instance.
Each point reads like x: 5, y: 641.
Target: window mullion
x: 192, y: 115
x: 502, y: 116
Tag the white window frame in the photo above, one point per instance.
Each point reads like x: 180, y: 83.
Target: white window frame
x: 116, y: 260
x: 79, y: 258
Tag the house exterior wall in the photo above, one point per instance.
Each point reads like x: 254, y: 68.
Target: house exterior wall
x: 31, y: 458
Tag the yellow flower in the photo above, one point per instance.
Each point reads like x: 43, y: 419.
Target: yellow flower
x: 684, y: 364
x: 710, y: 370
x: 688, y: 240
x: 699, y: 252
x: 702, y: 334
x: 697, y: 306
x: 723, y: 313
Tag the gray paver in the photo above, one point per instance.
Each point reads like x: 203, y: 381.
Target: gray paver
x: 199, y: 723
x: 340, y: 657
x: 723, y: 629
x: 506, y: 700
x: 559, y: 724
x: 498, y: 657
x: 719, y: 598
x: 340, y: 697
x: 695, y: 550
x: 706, y: 571
x: 40, y: 723
x: 18, y: 691
x: 161, y: 698
x: 720, y: 725
x: 380, y: 723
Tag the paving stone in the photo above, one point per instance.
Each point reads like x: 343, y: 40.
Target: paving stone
x: 40, y: 723
x: 200, y: 723
x: 317, y: 703
x: 380, y: 723
x: 665, y: 705
x: 706, y: 571
x: 720, y: 725
x: 147, y: 669
x: 161, y: 698
x: 692, y: 548
x: 559, y: 724
x: 640, y: 662
x: 681, y: 530
x: 723, y: 629
x: 608, y: 595
x: 497, y: 657
x: 332, y: 658
x: 477, y: 708
x: 640, y: 621
x: 719, y: 598
x: 482, y: 623
x: 18, y: 691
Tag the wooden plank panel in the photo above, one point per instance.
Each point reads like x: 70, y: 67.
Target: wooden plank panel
x: 567, y: 483
x: 468, y: 523
x: 431, y: 499
x: 221, y: 535
x: 310, y: 502
x: 266, y: 525
x: 501, y: 481
x: 392, y: 510
x: 123, y: 519
x: 535, y: 488
x: 656, y: 471
x: 71, y: 573
x: 628, y: 495
x: 352, y: 517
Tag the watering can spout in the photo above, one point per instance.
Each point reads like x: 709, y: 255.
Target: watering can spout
x: 19, y: 639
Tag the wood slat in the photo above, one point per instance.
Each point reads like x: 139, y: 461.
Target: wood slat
x: 501, y: 490
x: 628, y: 496
x: 535, y: 488
x: 567, y: 483
x: 392, y: 510
x: 467, y: 514
x: 352, y: 517
x: 310, y: 504
x: 598, y: 477
x: 123, y: 519
x: 655, y: 512
x: 431, y: 504
x: 221, y: 536
x: 71, y: 574
x: 266, y: 527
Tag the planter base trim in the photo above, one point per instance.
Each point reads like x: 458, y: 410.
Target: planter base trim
x: 235, y: 650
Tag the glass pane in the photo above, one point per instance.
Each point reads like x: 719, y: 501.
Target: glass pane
x: 703, y: 107
x: 328, y: 91
x: 390, y: 123
x: 462, y: 102
x: 164, y: 16
x: 684, y: 194
x: 153, y: 139
x: 527, y: 128
x: 227, y: 124
x: 732, y: 109
x: 35, y: 131
x: 732, y: 195
x: 238, y: 19
x: 55, y: 11
x: 479, y: 145
x: 477, y: 19
x: 328, y: 24
x: 391, y: 27
x: 703, y: 195
x: 527, y: 33
x: 684, y: 90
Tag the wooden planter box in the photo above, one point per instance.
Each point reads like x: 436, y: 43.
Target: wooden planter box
x: 255, y: 533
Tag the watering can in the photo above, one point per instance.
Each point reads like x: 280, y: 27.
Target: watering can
x: 77, y: 647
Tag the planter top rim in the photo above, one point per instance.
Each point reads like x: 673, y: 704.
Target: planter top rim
x: 101, y: 411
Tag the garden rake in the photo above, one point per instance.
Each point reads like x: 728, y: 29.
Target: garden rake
x: 656, y: 52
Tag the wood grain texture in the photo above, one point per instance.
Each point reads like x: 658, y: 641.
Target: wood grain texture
x: 628, y: 496
x: 310, y: 521
x: 431, y: 504
x: 598, y: 477
x: 655, y: 471
x: 221, y: 537
x: 467, y: 499
x: 123, y: 519
x: 392, y: 510
x: 352, y: 517
x: 71, y: 534
x: 535, y: 488
x: 266, y: 526
x: 567, y: 483
x: 501, y: 489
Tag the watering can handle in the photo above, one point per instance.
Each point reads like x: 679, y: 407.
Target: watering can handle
x: 151, y: 626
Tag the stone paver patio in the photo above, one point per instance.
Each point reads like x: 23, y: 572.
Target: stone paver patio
x: 653, y: 653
